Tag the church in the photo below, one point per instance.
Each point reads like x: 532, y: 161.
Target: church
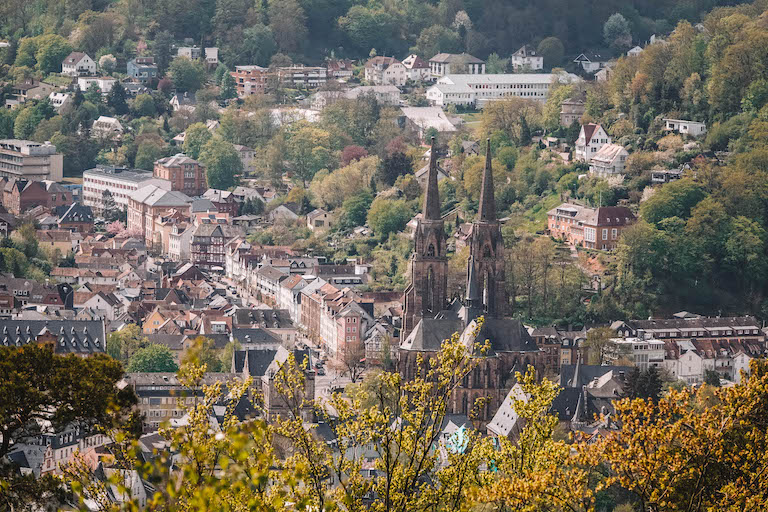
x: 429, y: 319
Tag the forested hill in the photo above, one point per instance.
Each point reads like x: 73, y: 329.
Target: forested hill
x: 253, y: 31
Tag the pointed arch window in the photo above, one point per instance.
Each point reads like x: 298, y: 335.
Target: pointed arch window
x: 431, y: 250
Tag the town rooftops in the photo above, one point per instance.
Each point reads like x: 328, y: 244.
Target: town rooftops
x: 153, y: 195
x: 68, y: 336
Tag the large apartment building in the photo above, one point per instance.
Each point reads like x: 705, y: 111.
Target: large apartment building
x: 30, y: 160
x: 119, y: 181
x: 146, y: 207
x: 185, y: 174
x: 250, y: 80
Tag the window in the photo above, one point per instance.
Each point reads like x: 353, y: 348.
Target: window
x: 614, y: 233
x: 605, y: 234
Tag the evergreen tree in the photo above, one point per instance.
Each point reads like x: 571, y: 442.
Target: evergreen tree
x: 227, y: 90
x: 78, y: 97
x: 117, y: 99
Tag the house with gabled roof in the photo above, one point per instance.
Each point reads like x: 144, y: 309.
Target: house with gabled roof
x: 526, y: 58
x: 610, y: 160
x: 592, y: 62
x: 78, y: 64
x: 592, y: 137
x: 418, y: 68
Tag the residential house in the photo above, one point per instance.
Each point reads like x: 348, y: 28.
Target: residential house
x: 319, y: 220
x: 50, y: 452
x: 107, y: 304
x: 692, y: 128
x: 223, y: 200
x: 422, y: 175
x: 526, y: 58
x: 185, y: 101
x: 247, y: 157
x: 382, y: 70
x: 108, y: 128
x: 286, y: 212
x: 643, y: 353
x: 26, y: 159
x: 593, y: 228
x: 208, y: 247
x: 592, y: 62
x: 148, y: 203
x: 290, y: 295
x: 384, y: 94
x: 339, y: 69
x: 60, y: 101
x: 305, y: 77
x: 104, y: 83
x: 142, y: 69
x: 444, y: 64
x: 29, y: 89
x: 78, y: 64
x: 185, y: 174
x: 64, y: 241
x: 571, y: 110
x: 250, y: 80
x: 267, y: 280
x: 592, y: 137
x: 661, y: 176
x: 20, y: 195
x: 418, y: 69
x: 77, y: 218
x: 637, y: 50
x: 686, y: 325
x: 58, y: 195
x: 608, y: 161
x: 210, y: 54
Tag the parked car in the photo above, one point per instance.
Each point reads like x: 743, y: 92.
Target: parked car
x: 321, y: 371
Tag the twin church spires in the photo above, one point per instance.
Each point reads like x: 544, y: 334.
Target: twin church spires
x: 426, y: 294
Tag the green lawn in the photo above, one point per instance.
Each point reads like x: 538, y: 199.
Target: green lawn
x: 471, y: 117
x: 535, y: 219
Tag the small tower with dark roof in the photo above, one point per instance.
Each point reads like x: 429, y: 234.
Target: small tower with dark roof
x: 426, y: 294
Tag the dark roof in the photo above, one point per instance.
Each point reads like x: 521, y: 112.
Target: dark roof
x: 265, y: 318
x: 258, y: 361
x: 77, y: 213
x: 255, y: 336
x: 689, y: 323
x: 430, y: 333
x: 172, y: 341
x: 72, y: 336
x: 506, y: 335
x: 587, y: 373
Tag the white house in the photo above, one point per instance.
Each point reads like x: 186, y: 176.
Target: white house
x: 644, y: 354
x: 106, y: 127
x: 382, y: 70
x: 592, y: 62
x: 319, y: 220
x: 592, y: 137
x: 78, y: 64
x: 634, y: 51
x: 608, y: 161
x: 422, y: 119
x: 693, y: 128
x: 418, y: 68
x: 684, y: 363
x: 60, y: 100
x: 740, y: 363
x: 103, y: 83
x: 384, y: 94
x: 444, y: 64
x: 526, y: 58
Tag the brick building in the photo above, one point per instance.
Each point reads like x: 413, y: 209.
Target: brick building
x: 250, y: 80
x: 185, y: 174
x: 593, y: 228
x: 148, y: 204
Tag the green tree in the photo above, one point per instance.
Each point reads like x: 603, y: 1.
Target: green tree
x: 162, y: 50
x: 437, y: 39
x: 355, y: 208
x: 117, y: 99
x: 153, y: 358
x: 40, y: 387
x: 676, y: 199
x: 146, y: 155
x: 228, y: 90
x: 616, y: 32
x: 258, y: 45
x: 196, y: 136
x: 51, y: 51
x: 122, y: 344
x: 288, y: 23
x: 388, y: 216
x: 395, y: 165
x: 222, y: 162
x: 553, y: 51
x: 7, y: 118
x: 599, y: 344
x: 187, y: 75
x: 203, y: 352
x: 644, y: 384
x: 93, y: 94
x: 144, y: 105
x: 369, y: 27
x: 307, y: 149
x: 26, y: 122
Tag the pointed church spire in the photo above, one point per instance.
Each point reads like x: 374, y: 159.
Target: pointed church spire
x: 487, y: 212
x: 473, y: 292
x: 432, y: 197
x: 576, y: 376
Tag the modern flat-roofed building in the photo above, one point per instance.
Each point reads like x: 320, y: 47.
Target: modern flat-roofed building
x: 478, y: 89
x: 27, y: 159
x: 250, y: 80
x: 119, y: 181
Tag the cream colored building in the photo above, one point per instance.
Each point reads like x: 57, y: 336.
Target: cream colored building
x: 30, y: 160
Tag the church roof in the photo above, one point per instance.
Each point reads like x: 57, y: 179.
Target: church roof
x: 503, y: 335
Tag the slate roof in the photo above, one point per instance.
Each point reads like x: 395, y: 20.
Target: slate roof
x: 258, y: 361
x: 255, y: 335
x: 77, y: 213
x: 451, y: 57
x: 266, y: 318
x: 587, y: 373
x: 73, y: 336
x: 153, y: 195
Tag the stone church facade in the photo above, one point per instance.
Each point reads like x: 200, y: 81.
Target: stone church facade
x: 428, y: 318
